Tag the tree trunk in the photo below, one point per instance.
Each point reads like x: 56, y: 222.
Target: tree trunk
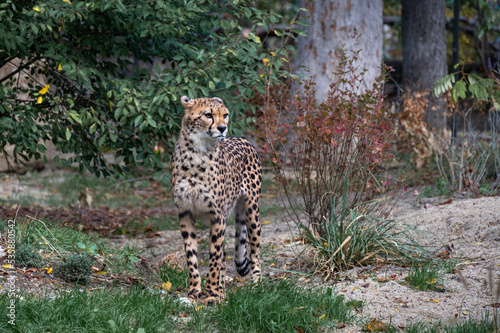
x: 331, y: 24
x: 424, y: 53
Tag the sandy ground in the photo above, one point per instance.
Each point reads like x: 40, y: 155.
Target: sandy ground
x: 469, y: 227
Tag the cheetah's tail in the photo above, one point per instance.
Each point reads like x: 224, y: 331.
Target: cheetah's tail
x: 243, y: 267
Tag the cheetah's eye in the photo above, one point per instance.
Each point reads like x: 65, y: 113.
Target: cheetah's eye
x: 226, y: 115
x: 208, y: 115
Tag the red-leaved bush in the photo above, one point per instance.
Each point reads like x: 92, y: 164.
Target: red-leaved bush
x: 318, y: 148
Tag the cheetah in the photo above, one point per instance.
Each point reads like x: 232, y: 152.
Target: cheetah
x: 212, y: 175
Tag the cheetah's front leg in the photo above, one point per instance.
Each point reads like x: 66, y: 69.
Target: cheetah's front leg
x: 191, y: 247
x: 215, y: 271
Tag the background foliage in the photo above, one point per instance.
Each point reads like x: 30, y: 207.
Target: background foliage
x: 115, y: 69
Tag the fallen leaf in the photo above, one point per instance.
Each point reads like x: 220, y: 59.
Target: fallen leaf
x: 238, y: 279
x: 166, y: 285
x: 449, y: 201
x: 383, y: 279
x: 376, y: 326
x: 495, y: 305
x: 39, y: 100
x: 266, y: 222
x: 101, y: 272
x: 299, y: 330
x: 296, y: 309
x: 49, y: 270
x: 7, y: 266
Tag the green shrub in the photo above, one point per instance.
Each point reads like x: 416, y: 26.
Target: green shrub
x: 76, y: 268
x: 28, y: 256
x: 105, y: 76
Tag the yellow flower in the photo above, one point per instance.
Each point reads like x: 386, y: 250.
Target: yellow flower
x: 36, y: 9
x: 39, y: 100
x: 67, y: 1
x: 60, y: 67
x: 44, y: 90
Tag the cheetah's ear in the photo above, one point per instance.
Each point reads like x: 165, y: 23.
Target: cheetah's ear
x: 217, y: 99
x: 187, y: 102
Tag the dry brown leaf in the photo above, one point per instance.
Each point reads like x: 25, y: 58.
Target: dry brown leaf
x: 376, y: 326
x: 447, y: 202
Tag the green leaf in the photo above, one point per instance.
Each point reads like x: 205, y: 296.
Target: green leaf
x: 138, y: 120
x: 443, y: 85
x: 68, y: 133
x: 151, y: 122
x: 459, y: 90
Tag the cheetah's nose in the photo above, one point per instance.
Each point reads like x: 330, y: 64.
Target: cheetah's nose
x: 221, y: 128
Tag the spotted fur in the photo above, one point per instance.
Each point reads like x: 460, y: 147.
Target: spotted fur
x: 211, y: 176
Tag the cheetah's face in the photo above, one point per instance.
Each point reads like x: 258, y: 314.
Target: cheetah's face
x: 206, y: 116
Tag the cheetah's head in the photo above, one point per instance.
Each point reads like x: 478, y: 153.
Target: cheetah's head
x: 206, y: 116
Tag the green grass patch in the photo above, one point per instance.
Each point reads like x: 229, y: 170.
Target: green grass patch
x: 283, y: 306
x: 427, y: 277
x: 355, y: 239
x: 98, y: 311
x: 52, y: 235
x: 178, y: 277
x: 441, y: 188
